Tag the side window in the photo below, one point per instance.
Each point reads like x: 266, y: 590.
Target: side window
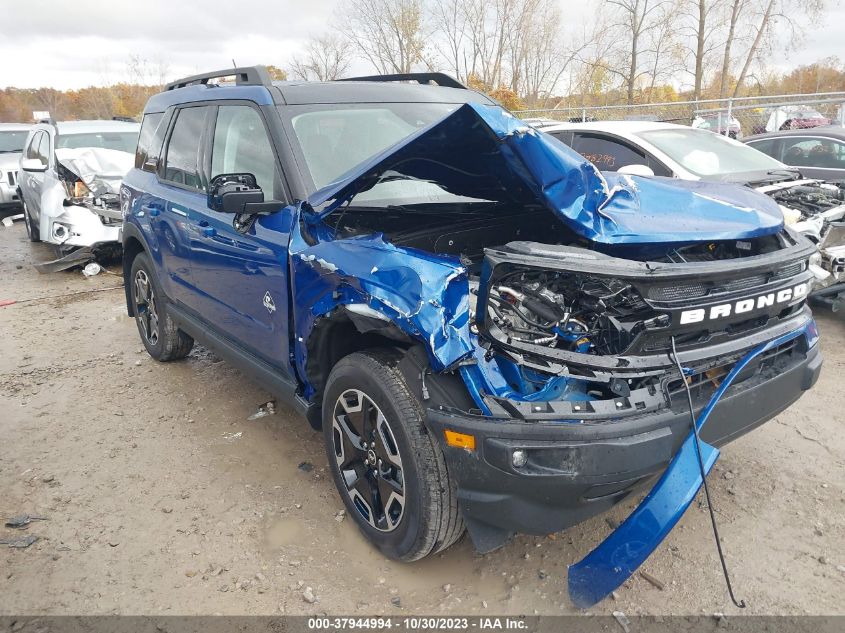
x: 43, y: 153
x: 147, y: 136
x: 241, y: 145
x: 606, y: 154
x: 32, y: 148
x: 564, y: 137
x: 766, y: 145
x: 182, y: 163
x: 813, y: 152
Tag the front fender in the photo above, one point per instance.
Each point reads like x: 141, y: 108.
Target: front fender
x: 423, y: 295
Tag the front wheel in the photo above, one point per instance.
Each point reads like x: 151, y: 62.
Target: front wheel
x: 162, y: 339
x: 389, y: 471
x: 32, y: 230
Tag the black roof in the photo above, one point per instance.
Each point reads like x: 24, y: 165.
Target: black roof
x: 409, y: 87
x: 351, y: 91
x: 833, y: 131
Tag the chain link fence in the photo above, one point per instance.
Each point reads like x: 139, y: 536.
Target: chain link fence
x: 737, y: 117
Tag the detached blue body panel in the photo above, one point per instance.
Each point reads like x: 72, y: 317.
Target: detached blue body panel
x: 616, y: 558
x: 482, y: 151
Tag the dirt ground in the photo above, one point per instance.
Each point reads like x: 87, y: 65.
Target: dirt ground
x: 163, y: 498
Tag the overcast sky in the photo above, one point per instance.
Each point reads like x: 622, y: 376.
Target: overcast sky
x: 72, y: 44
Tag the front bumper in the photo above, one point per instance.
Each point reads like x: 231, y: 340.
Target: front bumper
x: 575, y: 471
x: 9, y: 198
x: 76, y: 226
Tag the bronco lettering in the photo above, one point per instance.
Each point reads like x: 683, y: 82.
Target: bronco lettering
x: 744, y: 305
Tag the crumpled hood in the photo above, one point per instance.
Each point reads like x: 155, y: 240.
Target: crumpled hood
x: 484, y: 152
x: 102, y: 170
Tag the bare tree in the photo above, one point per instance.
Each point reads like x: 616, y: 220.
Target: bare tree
x: 635, y: 23
x: 737, y: 8
x: 701, y: 30
x: 390, y: 34
x: 326, y: 58
x: 540, y: 59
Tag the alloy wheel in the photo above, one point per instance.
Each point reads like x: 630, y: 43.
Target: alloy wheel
x: 145, y: 306
x: 369, y: 461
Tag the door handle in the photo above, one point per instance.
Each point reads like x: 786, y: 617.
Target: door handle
x: 205, y: 229
x: 152, y: 209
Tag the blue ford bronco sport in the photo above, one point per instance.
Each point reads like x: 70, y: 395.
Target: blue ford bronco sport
x: 492, y: 334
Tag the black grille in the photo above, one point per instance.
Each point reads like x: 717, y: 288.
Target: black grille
x: 678, y: 291
x: 790, y: 271
x: 12, y: 177
x: 742, y: 283
x: 696, y: 289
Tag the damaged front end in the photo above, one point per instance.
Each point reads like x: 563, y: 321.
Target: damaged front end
x: 816, y: 209
x: 80, y: 205
x: 545, y: 298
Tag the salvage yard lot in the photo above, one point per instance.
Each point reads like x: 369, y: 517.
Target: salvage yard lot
x: 163, y: 498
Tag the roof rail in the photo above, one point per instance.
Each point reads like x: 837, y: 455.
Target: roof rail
x: 124, y: 119
x: 441, y: 79
x: 245, y: 76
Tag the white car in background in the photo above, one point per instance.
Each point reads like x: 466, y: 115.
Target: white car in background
x: 12, y: 139
x: 69, y: 182
x: 812, y: 207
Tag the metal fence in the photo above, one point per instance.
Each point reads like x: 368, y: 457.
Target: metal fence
x: 737, y: 117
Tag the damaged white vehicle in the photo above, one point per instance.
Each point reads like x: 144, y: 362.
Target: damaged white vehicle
x: 812, y: 207
x: 69, y: 182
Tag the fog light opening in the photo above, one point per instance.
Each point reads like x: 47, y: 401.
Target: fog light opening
x: 519, y: 458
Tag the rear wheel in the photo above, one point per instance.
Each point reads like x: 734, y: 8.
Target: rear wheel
x: 32, y: 230
x: 389, y: 471
x: 163, y: 340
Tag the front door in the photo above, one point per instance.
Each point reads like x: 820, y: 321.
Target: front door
x: 241, y: 277
x: 32, y: 182
x: 176, y: 201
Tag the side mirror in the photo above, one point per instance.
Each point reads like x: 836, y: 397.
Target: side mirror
x: 33, y: 164
x: 231, y: 193
x: 636, y: 170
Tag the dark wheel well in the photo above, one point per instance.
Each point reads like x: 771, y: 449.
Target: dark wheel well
x: 131, y: 248
x: 336, y: 336
x: 341, y: 333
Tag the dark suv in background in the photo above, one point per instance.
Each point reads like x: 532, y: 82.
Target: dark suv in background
x: 481, y: 323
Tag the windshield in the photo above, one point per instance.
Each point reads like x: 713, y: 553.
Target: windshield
x: 706, y: 154
x: 334, y: 139
x: 12, y: 141
x: 121, y: 141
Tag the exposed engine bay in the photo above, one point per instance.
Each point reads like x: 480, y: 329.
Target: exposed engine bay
x: 574, y: 312
x: 808, y: 199
x: 816, y: 209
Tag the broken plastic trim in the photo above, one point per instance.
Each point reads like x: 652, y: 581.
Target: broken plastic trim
x: 619, y: 555
x: 76, y: 257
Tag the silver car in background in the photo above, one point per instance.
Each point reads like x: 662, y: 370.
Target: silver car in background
x: 12, y: 140
x: 70, y: 175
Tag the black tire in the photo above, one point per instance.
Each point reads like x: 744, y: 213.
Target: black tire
x: 429, y: 520
x: 159, y: 334
x: 33, y: 232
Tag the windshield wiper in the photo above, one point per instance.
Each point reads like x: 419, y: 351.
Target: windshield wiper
x: 796, y: 173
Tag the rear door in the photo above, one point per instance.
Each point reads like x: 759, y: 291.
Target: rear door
x: 241, y: 276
